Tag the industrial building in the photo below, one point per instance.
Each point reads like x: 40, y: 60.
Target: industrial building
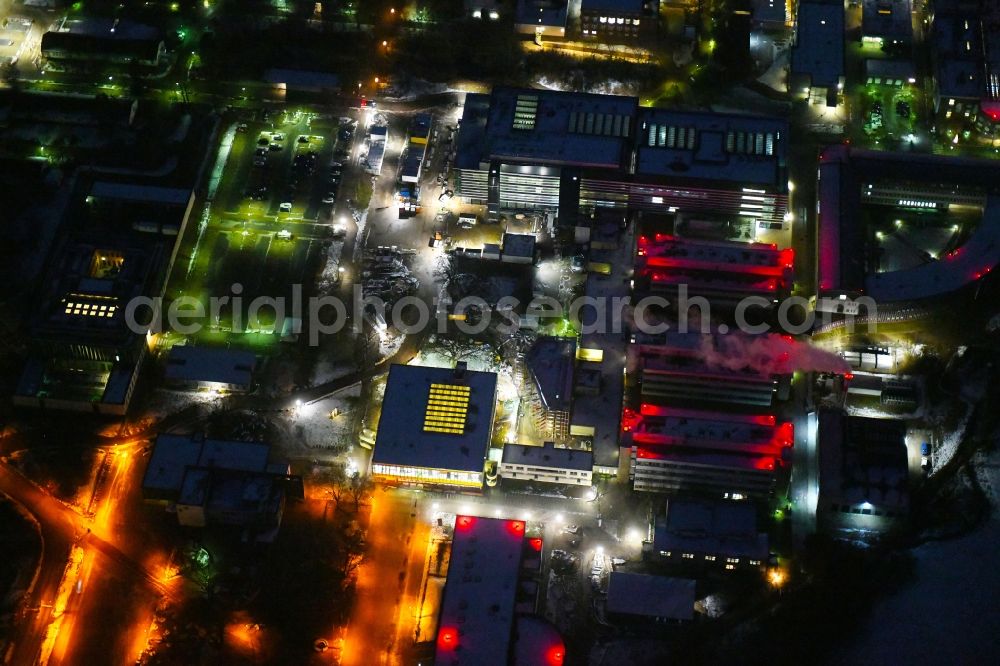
x: 720, y: 454
x: 677, y: 369
x: 724, y: 272
x: 618, y: 21
x: 436, y: 426
x: 568, y: 153
x: 551, y: 362
x: 212, y: 369
x: 487, y: 611
x: 851, y: 180
x: 633, y: 596
x: 817, y: 60
x: 84, y: 354
x: 218, y: 482
x: 110, y: 41
x: 863, y: 474
x: 887, y: 23
x: 547, y: 464
x: 541, y: 18
x: 710, y: 534
x: 595, y: 418
x: 965, y: 48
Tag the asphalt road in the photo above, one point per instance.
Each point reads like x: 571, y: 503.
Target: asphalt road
x: 118, y: 579
x: 393, y: 560
x: 60, y: 527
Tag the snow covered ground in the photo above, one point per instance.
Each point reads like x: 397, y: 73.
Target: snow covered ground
x: 949, y: 613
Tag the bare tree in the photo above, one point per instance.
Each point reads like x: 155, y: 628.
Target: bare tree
x: 359, y: 488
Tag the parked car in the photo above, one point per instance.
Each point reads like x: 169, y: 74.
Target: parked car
x: 285, y: 207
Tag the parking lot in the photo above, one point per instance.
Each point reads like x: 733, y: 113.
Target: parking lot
x: 277, y: 211
x: 15, y: 33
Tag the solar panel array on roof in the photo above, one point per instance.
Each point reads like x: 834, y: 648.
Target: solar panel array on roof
x: 447, y: 408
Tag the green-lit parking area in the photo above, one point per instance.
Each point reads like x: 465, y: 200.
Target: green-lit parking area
x: 267, y: 231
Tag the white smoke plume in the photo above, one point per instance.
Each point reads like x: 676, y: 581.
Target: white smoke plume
x: 769, y: 353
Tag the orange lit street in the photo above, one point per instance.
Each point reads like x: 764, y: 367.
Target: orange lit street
x: 389, y: 582
x: 96, y: 592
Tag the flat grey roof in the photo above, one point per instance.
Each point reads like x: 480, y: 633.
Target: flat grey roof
x: 603, y: 411
x: 173, y: 454
x: 171, y: 196
x: 719, y: 527
x: 898, y: 69
x: 548, y: 455
x: 551, y: 361
x: 519, y: 245
x: 738, y: 149
x: 863, y: 459
x: 477, y: 610
x: 549, y: 127
x: 651, y: 596
x: 819, y: 42
x: 958, y: 49
x: 889, y: 19
x: 205, y: 364
x: 402, y: 438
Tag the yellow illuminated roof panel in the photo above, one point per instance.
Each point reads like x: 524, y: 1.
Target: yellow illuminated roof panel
x: 447, y: 408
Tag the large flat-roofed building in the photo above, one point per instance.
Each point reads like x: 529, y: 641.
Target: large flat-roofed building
x: 710, y: 534
x: 217, y: 482
x: 724, y: 272
x: 817, y: 61
x: 571, y: 152
x: 108, y: 40
x: 887, y: 23
x: 918, y: 185
x: 210, y: 368
x: 490, y: 583
x: 722, y: 162
x: 85, y: 355
x: 617, y: 21
x: 436, y: 426
x: 547, y: 464
x: 658, y: 598
x: 965, y: 43
x: 686, y: 367
x: 717, y: 453
x: 863, y: 474
x: 515, y: 144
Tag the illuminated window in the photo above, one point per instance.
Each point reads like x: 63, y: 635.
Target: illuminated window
x: 447, y: 407
x: 525, y: 112
x: 88, y: 309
